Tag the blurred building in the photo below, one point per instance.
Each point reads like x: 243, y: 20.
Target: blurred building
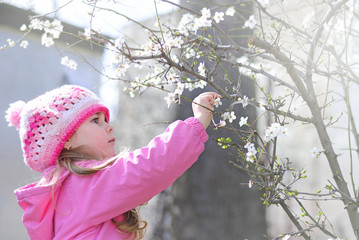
x: 24, y: 74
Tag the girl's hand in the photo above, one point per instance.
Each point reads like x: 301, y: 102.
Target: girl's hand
x: 202, y: 107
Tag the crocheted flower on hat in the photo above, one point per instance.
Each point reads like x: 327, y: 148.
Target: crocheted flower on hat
x: 13, y: 114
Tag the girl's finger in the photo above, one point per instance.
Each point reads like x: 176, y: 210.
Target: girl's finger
x: 210, y: 94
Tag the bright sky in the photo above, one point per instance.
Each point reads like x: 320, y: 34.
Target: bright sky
x: 77, y: 13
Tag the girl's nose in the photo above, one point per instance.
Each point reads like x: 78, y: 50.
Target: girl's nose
x: 109, y: 128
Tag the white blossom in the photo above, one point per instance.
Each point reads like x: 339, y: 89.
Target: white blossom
x: 262, y: 105
x: 36, y: 24
x: 190, y: 53
x: 244, y: 101
x: 121, y: 69
x: 200, y: 84
x: 230, y: 116
x: 24, y: 44
x: 179, y: 89
x: 87, y: 33
x: 293, y: 109
x: 286, y: 237
x: 274, y: 131
x: 155, y: 80
x: 171, y: 78
x: 315, y: 152
x: 172, y: 42
x: 171, y: 97
x: 47, y: 40
x: 54, y: 28
x: 251, y: 22
x: 218, y: 16
x: 230, y: 11
x: 131, y: 91
x: 202, y: 69
x: 10, y: 42
x: 204, y: 21
x: 189, y: 23
x: 175, y: 58
x: 251, y: 152
x: 276, y: 126
x: 250, y: 183
x: 186, y: 19
x: 149, y: 49
x: 69, y: 63
x: 186, y: 24
x: 242, y: 60
x: 221, y: 123
x: 250, y: 157
x: 243, y: 121
x: 23, y: 28
x: 201, y: 23
x: 284, y: 131
x: 249, y: 145
x: 217, y: 102
x: 190, y: 86
x: 206, y: 13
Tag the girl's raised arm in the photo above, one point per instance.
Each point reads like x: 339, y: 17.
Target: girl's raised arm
x: 140, y: 175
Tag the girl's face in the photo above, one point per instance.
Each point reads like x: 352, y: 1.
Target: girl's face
x: 96, y: 134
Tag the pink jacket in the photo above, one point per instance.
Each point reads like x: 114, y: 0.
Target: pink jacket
x: 82, y: 206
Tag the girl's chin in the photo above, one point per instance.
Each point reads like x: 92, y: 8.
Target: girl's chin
x: 112, y: 154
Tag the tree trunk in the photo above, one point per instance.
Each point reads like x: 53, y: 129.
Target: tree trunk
x: 210, y: 200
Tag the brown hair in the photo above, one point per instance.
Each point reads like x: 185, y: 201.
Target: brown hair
x: 68, y: 158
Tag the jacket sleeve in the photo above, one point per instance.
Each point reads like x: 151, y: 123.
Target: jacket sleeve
x: 138, y: 176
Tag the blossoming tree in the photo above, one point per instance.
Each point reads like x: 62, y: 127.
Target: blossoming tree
x: 302, y: 70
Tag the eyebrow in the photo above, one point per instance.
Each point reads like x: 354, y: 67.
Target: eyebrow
x: 98, y: 114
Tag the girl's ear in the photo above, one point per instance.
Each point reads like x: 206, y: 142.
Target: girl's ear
x: 67, y: 144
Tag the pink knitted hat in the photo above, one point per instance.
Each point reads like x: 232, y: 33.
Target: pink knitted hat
x: 46, y: 122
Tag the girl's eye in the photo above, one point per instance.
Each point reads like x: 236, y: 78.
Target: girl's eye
x: 95, y: 120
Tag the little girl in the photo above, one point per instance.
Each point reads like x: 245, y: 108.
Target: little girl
x: 87, y: 191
